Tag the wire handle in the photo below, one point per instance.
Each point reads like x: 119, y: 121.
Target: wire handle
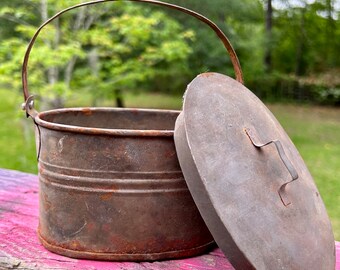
x: 292, y: 171
x: 27, y: 97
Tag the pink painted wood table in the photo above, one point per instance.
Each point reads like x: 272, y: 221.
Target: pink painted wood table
x: 21, y: 249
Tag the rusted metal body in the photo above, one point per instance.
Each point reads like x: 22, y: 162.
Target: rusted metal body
x: 111, y: 186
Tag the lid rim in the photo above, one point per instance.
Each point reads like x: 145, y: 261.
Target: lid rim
x: 235, y: 185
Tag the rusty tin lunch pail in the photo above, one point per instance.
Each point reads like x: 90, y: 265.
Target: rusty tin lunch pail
x: 111, y: 187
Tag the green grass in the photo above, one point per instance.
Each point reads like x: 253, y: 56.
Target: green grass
x: 17, y: 150
x: 131, y: 100
x: 314, y: 130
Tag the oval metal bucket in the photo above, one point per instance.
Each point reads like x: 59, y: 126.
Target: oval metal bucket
x: 111, y: 186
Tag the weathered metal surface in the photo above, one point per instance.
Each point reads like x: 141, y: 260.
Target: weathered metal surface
x: 235, y: 185
x: 111, y: 187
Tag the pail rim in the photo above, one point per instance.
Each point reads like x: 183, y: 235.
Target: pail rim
x: 103, y: 131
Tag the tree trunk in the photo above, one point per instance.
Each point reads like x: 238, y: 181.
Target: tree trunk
x: 43, y: 11
x: 93, y: 62
x: 330, y: 29
x: 269, y: 24
x: 52, y: 72
x: 300, y: 67
x: 81, y: 21
x: 71, y: 64
x: 119, y: 98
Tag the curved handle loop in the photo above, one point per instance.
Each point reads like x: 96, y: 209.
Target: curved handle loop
x: 212, y: 25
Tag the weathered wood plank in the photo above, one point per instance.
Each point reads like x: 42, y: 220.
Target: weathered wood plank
x: 21, y: 249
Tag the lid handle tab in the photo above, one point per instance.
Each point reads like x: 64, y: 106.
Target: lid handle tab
x: 256, y: 142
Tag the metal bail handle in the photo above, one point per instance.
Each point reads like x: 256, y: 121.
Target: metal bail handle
x: 212, y: 25
x: 292, y: 171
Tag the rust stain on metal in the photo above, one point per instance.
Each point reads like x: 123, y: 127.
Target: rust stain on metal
x: 46, y: 203
x: 206, y: 74
x: 86, y: 111
x: 170, y: 154
x: 74, y: 244
x: 106, y: 196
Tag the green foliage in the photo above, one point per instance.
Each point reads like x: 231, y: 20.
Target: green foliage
x: 249, y: 39
x: 136, y: 47
x: 304, y: 41
x: 111, y: 48
x: 108, y: 48
x: 276, y: 87
x: 329, y: 96
x: 310, y: 28
x: 17, y: 149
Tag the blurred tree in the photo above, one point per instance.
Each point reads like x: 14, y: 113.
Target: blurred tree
x: 104, y: 49
x: 268, y: 53
x: 101, y: 48
x: 241, y: 21
x: 301, y: 65
x: 136, y: 46
x: 309, y: 40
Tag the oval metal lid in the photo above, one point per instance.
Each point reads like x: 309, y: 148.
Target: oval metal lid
x: 258, y: 217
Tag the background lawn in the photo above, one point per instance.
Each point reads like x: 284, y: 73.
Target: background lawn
x: 314, y: 130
